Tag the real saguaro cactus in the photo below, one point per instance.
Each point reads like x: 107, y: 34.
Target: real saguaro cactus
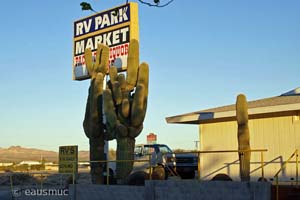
x: 243, y: 137
x: 125, y: 104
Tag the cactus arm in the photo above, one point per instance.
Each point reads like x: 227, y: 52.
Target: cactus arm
x: 242, y: 109
x: 113, y: 74
x: 89, y: 61
x: 121, y: 79
x: 125, y: 108
x: 137, y: 106
x: 102, y: 59
x: 86, y: 126
x: 117, y: 93
x: 115, y: 86
x: 96, y: 108
x: 143, y: 77
x: 109, y: 109
x: 101, y: 62
x: 132, y: 64
x: 133, y: 132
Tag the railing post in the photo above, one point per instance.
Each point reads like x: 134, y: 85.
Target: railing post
x: 73, y: 175
x: 107, y: 173
x: 150, y: 168
x: 242, y: 163
x: 262, y: 164
x: 41, y: 181
x: 60, y: 180
x: 277, y: 188
x: 198, y: 170
x: 296, y: 167
x: 11, y: 185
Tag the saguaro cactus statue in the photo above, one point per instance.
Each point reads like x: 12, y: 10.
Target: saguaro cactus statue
x: 243, y: 137
x: 125, y: 104
x: 93, y: 120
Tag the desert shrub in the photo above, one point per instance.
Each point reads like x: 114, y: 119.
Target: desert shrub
x: 37, y: 167
x: 22, y: 178
x: 24, y: 167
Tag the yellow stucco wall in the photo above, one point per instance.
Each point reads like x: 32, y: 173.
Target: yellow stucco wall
x: 280, y: 135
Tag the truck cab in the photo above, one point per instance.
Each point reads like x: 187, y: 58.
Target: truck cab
x: 182, y: 164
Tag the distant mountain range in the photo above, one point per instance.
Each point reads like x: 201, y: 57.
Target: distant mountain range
x: 18, y: 154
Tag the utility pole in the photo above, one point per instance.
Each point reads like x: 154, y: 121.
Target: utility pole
x: 196, y: 144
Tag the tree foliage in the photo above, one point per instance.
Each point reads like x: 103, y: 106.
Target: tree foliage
x: 152, y: 3
x: 156, y: 3
x: 86, y: 6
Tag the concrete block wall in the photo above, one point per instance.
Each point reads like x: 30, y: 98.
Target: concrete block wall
x: 193, y: 189
x: 104, y: 192
x: 176, y: 190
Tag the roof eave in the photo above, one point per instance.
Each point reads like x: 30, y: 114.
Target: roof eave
x: 254, y: 113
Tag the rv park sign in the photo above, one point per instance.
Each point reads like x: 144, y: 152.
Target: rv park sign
x: 114, y: 27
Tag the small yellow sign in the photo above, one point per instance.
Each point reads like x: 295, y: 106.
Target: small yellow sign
x: 68, y: 157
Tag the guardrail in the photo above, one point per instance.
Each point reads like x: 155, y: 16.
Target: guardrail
x: 283, y: 167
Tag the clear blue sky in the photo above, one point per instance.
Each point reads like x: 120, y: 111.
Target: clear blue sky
x: 201, y: 55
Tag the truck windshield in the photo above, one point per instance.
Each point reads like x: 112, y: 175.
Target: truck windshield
x: 137, y: 150
x: 164, y: 149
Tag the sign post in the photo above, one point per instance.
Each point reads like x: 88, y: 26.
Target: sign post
x: 114, y: 27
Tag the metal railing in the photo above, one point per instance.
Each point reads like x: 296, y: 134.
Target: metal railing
x: 119, y: 161
x: 74, y: 173
x: 42, y: 174
x: 295, y: 154
x: 229, y: 151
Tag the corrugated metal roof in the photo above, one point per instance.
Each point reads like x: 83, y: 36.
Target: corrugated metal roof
x: 273, y: 101
x: 286, y: 103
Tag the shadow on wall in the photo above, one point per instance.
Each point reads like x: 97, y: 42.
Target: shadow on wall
x: 231, y: 166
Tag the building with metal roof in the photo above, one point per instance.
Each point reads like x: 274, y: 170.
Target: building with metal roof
x: 274, y: 124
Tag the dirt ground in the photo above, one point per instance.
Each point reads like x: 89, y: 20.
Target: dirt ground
x: 44, y: 178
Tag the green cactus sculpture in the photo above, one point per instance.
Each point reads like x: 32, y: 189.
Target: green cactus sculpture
x: 125, y: 104
x: 243, y: 137
x: 93, y: 120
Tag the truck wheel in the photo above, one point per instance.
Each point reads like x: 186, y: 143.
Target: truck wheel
x: 159, y: 173
x: 137, y: 178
